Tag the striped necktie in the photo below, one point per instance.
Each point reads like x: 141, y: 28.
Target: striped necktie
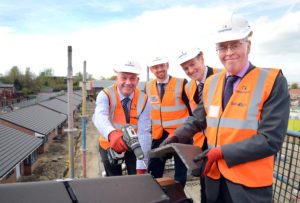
x: 198, y: 94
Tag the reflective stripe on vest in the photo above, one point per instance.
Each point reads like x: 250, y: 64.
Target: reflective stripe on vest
x: 117, y: 118
x: 250, y: 122
x: 191, y: 89
x: 169, y: 113
x: 238, y: 122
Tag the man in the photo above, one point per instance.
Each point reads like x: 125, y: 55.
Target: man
x: 117, y: 105
x: 244, y: 131
x: 192, y: 63
x: 169, y: 109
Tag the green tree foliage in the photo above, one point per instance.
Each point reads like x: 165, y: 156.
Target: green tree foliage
x: 18, y: 85
x: 294, y: 86
x: 28, y: 81
x: 111, y: 78
x: 77, y: 78
x: 14, y: 74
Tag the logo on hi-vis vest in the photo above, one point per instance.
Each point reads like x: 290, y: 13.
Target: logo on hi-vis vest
x: 243, y: 90
x: 153, y: 99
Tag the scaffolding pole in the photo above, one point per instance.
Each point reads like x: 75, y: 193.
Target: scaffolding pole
x: 70, y: 129
x: 83, y: 117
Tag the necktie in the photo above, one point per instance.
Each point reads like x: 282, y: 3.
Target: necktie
x: 198, y: 94
x: 162, y: 90
x: 126, y: 109
x: 228, y: 90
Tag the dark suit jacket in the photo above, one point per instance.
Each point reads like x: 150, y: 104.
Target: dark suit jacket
x: 271, y: 132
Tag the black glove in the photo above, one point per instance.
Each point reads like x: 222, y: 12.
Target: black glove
x: 202, y: 158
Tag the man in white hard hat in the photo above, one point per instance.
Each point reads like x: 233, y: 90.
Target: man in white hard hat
x: 244, y: 112
x: 169, y: 109
x: 117, y: 105
x: 192, y: 63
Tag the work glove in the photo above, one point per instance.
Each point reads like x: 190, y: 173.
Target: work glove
x: 116, y: 141
x: 208, y: 157
x: 172, y: 138
x: 140, y: 171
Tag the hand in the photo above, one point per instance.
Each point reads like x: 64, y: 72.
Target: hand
x: 116, y: 141
x: 140, y: 171
x: 172, y: 138
x: 208, y: 157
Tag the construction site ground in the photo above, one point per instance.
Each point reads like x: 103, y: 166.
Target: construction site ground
x: 54, y: 163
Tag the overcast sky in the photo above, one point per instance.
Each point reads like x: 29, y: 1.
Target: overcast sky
x: 36, y: 34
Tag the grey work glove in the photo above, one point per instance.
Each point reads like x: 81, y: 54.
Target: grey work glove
x: 172, y: 138
x: 202, y: 158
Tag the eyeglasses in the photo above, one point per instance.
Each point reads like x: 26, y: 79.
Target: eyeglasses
x: 221, y: 49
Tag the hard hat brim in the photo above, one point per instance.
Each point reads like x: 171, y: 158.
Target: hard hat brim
x: 231, y: 36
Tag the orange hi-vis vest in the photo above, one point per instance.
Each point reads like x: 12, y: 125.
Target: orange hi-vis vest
x: 190, y: 90
x: 169, y: 113
x: 237, y: 122
x: 117, y: 114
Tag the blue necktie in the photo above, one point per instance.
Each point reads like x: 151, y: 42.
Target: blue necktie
x: 228, y: 90
x: 125, y: 107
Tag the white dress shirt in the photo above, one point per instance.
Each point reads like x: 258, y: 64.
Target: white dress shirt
x: 102, y: 121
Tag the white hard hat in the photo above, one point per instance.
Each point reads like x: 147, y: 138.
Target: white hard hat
x: 233, y: 27
x: 188, y: 55
x: 158, y: 60
x: 128, y: 67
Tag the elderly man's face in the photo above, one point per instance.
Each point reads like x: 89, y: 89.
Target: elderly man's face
x: 234, y: 54
x: 127, y: 82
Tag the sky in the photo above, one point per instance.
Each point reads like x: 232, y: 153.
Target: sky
x: 36, y: 34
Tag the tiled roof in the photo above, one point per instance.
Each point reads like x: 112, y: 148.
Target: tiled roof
x: 6, y: 85
x: 56, y: 105
x: 36, y: 118
x: 295, y: 91
x: 76, y: 99
x: 15, y: 146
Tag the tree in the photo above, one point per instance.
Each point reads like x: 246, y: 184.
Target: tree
x: 14, y: 74
x: 111, y: 78
x: 28, y: 78
x: 77, y: 78
x: 18, y: 85
x: 48, y: 72
x: 294, y: 86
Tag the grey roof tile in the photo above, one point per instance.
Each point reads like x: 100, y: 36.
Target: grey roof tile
x: 76, y: 100
x: 56, y: 105
x: 15, y: 146
x: 36, y: 118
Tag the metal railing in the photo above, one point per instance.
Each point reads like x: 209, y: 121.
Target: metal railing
x: 286, y: 174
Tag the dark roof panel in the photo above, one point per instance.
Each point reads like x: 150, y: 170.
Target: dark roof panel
x: 76, y: 99
x: 56, y: 105
x: 36, y: 118
x: 15, y: 146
